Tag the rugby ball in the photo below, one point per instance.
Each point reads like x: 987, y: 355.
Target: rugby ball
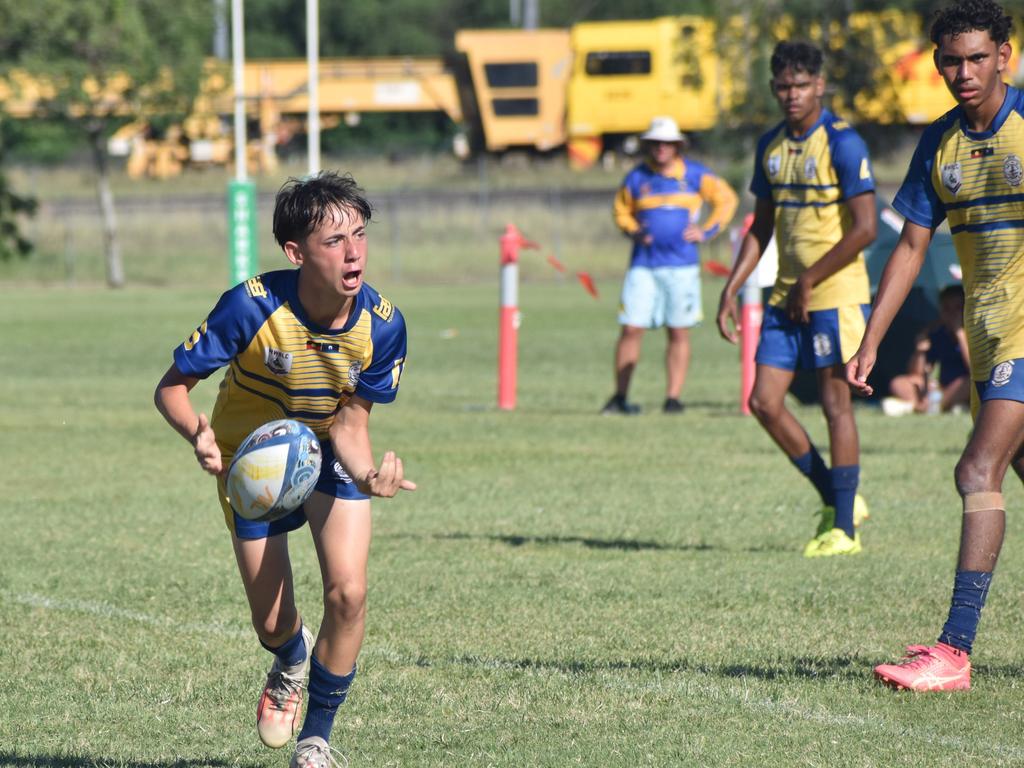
x: 274, y: 470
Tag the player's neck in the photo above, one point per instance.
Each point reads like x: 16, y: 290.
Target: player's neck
x: 980, y: 118
x: 802, y: 126
x: 328, y: 310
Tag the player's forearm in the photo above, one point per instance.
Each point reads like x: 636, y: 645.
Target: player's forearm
x: 750, y: 253
x: 352, y: 447
x: 172, y: 400
x: 897, y: 280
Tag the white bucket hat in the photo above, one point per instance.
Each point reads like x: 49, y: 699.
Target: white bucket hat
x: 663, y: 129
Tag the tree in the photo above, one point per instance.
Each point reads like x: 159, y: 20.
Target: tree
x: 97, y: 64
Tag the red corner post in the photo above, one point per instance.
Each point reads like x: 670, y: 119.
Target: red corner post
x: 509, y: 319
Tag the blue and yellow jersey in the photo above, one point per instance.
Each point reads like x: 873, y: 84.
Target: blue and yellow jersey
x: 663, y: 205
x: 975, y: 180
x: 283, y: 365
x: 809, y: 178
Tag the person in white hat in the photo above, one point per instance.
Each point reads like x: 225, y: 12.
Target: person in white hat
x: 658, y: 207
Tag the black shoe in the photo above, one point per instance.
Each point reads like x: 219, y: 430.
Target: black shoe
x: 672, y: 405
x: 618, y: 404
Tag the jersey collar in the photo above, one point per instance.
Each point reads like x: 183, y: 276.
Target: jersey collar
x: 822, y: 118
x: 1009, y: 100
x: 358, y: 301
x: 675, y: 171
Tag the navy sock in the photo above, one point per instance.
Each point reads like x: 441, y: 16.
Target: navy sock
x: 326, y: 694
x: 844, y: 489
x: 969, y: 592
x: 292, y: 652
x: 812, y: 466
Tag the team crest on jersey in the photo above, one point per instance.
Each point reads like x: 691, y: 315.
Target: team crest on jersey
x: 354, y: 369
x: 1013, y: 171
x: 1002, y: 374
x: 774, y: 164
x: 822, y: 345
x: 810, y: 168
x: 278, y: 362
x: 952, y: 177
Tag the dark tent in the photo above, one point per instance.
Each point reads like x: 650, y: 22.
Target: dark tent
x: 940, y: 268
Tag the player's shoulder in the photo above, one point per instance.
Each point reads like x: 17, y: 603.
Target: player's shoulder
x: 933, y: 135
x: 381, y: 308
x: 261, y: 294
x: 770, y: 135
x: 637, y: 173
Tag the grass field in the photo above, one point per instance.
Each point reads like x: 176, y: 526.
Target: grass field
x: 564, y: 589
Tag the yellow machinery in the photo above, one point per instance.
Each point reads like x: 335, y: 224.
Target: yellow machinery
x: 595, y: 84
x: 626, y: 72
x: 519, y: 83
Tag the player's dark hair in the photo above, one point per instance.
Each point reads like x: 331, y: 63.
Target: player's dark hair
x: 302, y: 205
x: 797, y: 55
x: 970, y: 15
x: 953, y: 290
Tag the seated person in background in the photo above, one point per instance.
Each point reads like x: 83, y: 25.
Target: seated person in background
x: 945, y: 345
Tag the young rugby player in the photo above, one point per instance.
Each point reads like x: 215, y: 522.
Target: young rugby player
x: 319, y: 345
x: 814, y: 190
x: 967, y: 169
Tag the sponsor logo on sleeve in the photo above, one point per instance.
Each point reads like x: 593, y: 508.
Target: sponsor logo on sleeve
x: 385, y: 310
x: 254, y: 287
x: 197, y: 334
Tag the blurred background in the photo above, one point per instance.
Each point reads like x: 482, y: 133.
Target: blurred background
x: 117, y: 135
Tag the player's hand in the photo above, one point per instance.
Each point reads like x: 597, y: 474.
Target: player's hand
x: 642, y: 238
x: 388, y: 479
x: 858, y: 370
x: 204, y: 442
x: 728, y: 318
x: 797, y: 301
x: 693, y: 234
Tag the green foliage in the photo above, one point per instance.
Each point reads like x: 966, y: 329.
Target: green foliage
x: 86, y: 50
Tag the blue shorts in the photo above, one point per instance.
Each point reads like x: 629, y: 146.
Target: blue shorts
x: 657, y: 296
x: 1005, y: 382
x: 831, y: 337
x: 334, y: 481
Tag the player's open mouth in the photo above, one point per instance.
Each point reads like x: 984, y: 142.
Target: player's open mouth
x: 351, y: 279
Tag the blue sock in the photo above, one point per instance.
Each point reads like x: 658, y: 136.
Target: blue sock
x: 812, y: 466
x: 326, y: 694
x: 292, y: 652
x: 969, y: 592
x: 844, y: 489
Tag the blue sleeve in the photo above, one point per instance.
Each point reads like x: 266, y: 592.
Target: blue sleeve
x: 379, y: 382
x: 917, y: 200
x: 222, y: 336
x: 759, y: 185
x: 852, y: 164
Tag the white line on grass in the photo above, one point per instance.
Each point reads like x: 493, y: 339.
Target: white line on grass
x: 695, y: 683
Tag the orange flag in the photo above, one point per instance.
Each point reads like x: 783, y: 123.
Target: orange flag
x: 587, y: 282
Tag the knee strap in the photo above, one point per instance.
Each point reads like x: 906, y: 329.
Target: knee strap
x: 983, y: 502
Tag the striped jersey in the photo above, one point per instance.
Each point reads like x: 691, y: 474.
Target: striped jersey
x: 665, y: 204
x: 809, y: 179
x: 280, y: 364
x: 975, y: 181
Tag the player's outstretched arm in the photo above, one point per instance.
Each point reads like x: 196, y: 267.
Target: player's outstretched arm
x: 753, y: 245
x: 350, y: 438
x: 898, y: 278
x: 172, y: 400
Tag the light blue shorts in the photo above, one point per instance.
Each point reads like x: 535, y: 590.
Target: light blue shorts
x: 657, y: 296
